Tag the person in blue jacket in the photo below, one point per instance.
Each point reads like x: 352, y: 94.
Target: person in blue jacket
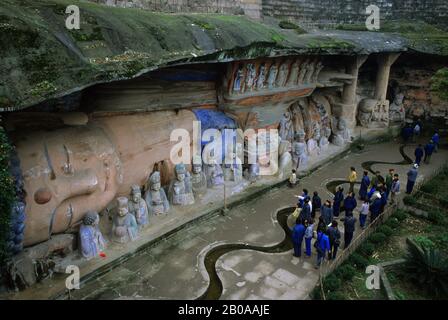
x: 429, y: 149
x: 375, y: 209
x: 297, y: 238
x: 384, y: 197
x: 412, y: 177
x: 350, y: 203
x: 419, y: 154
x: 365, y: 183
x: 338, y: 198
x: 436, y: 139
x: 305, y: 214
x: 407, y: 133
x: 322, y: 246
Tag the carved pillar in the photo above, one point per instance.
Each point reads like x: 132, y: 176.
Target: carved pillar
x: 384, y: 61
x: 349, y: 91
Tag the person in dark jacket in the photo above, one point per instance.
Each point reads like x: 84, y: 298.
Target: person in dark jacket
x: 326, y: 212
x: 384, y: 197
x: 389, y: 180
x: 302, y: 197
x: 419, y: 154
x: 349, y: 229
x: 412, y: 177
x: 375, y: 209
x: 322, y: 246
x: 306, y: 210
x: 407, y: 133
x: 365, y: 183
x: 350, y: 203
x: 429, y: 149
x: 338, y: 198
x: 317, y: 203
x: 335, y: 239
x: 297, y: 238
x: 321, y: 225
x: 436, y: 139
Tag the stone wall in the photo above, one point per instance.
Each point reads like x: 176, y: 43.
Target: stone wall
x: 251, y: 8
x: 330, y: 13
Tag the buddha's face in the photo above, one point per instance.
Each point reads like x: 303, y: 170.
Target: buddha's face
x: 156, y: 186
x: 57, y: 198
x: 181, y: 176
x: 136, y: 197
x: 122, y: 211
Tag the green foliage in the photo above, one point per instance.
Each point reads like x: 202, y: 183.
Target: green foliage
x: 7, y: 194
x: 284, y: 24
x: 335, y: 296
x: 393, y: 223
x: 358, y: 261
x: 331, y: 283
x: 400, y: 214
x: 436, y: 217
x: 424, y: 242
x: 439, y: 83
x: 378, y: 238
x: 386, y: 230
x: 410, y: 200
x: 428, y: 269
x: 367, y: 249
x: 345, y: 272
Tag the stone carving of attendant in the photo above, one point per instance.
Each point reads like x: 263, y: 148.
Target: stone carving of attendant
x: 342, y: 134
x: 214, y: 174
x: 302, y: 71
x: 313, y: 143
x: 138, y: 206
x: 294, y: 74
x: 124, y: 228
x: 272, y: 76
x: 309, y: 72
x: 282, y: 75
x: 155, y: 196
x: 238, y: 79
x: 198, y: 178
x: 286, y: 130
x: 325, y: 135
x: 181, y: 190
x: 253, y: 172
x: 285, y: 159
x: 261, y: 77
x: 318, y: 69
x: 299, y: 149
x: 90, y: 237
x: 250, y: 78
x: 396, y: 109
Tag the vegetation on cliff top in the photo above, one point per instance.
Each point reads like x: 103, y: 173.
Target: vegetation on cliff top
x: 439, y: 83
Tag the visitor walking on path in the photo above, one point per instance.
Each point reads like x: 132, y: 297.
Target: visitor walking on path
x: 297, y: 237
x: 322, y: 246
x: 316, y: 204
x: 375, y: 209
x: 412, y: 177
x: 352, y: 179
x: 417, y: 131
x: 309, y: 233
x: 349, y: 229
x: 429, y: 149
x: 326, y: 212
x: 436, y: 139
x: 395, y: 188
x: 407, y: 133
x: 306, y: 210
x: 292, y: 179
x: 334, y: 236
x: 389, y: 180
x: 322, y: 226
x: 338, y: 198
x: 301, y: 198
x: 350, y: 203
x: 365, y: 183
x: 363, y: 213
x: 419, y: 154
x: 383, y: 194
x: 376, y: 180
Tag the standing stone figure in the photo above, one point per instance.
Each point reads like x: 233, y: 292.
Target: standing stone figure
x: 138, y: 206
x: 125, y: 226
x: 286, y: 130
x: 250, y: 78
x: 214, y: 174
x: 261, y: 77
x: 299, y: 149
x: 198, y: 178
x: 318, y: 69
x: 342, y: 134
x: 292, y: 81
x: 155, y: 196
x: 282, y: 74
x: 272, y: 76
x: 181, y: 191
x: 90, y: 237
x: 396, y: 109
x: 325, y: 135
x: 238, y: 79
x: 312, y: 144
x: 303, y: 69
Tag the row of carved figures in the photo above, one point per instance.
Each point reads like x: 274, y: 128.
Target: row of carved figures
x: 249, y: 78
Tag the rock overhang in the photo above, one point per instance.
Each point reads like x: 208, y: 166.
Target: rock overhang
x: 42, y: 60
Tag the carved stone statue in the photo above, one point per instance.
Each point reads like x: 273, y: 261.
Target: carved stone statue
x: 252, y: 174
x: 282, y: 75
x: 380, y: 114
x: 373, y: 113
x: 302, y: 73
x: 125, y: 226
x: 294, y: 74
x: 138, y: 206
x: 312, y: 144
x: 272, y: 75
x: 214, y: 174
x: 325, y: 135
x: 198, y: 178
x: 250, y: 77
x: 299, y: 150
x: 341, y: 134
x: 261, y: 76
x: 397, y: 112
x: 309, y: 71
x: 181, y: 191
x: 155, y: 196
x: 318, y: 69
x: 238, y: 79
x: 90, y: 237
x: 285, y: 159
x: 286, y: 130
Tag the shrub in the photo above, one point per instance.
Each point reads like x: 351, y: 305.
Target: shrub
x: 400, y: 215
x: 393, y: 223
x: 367, y: 249
x: 358, y: 261
x: 427, y: 268
x: 316, y: 293
x: 345, y: 272
x: 436, y: 217
x: 410, y: 200
x: 424, y: 242
x: 331, y: 283
x: 439, y: 83
x: 335, y: 296
x: 378, y: 238
x: 386, y: 230
x: 429, y: 188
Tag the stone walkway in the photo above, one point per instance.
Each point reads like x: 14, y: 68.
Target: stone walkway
x: 174, y: 269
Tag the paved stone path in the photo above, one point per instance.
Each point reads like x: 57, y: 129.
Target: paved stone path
x: 174, y: 269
